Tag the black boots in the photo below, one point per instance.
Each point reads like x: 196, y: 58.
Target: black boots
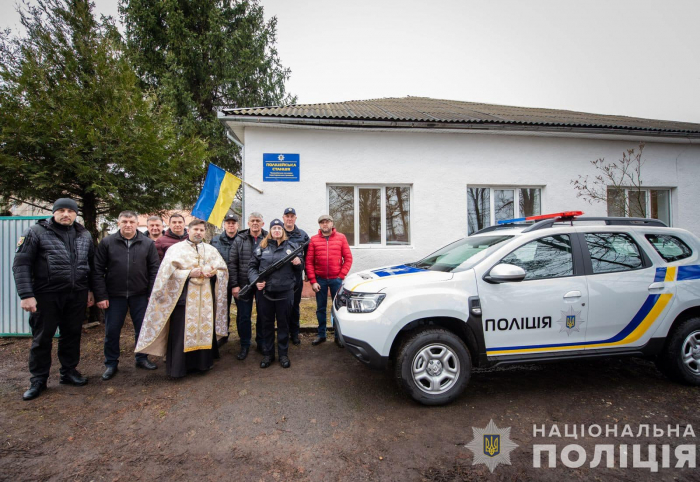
x: 73, y: 377
x: 34, y: 390
x: 243, y: 353
x: 146, y: 364
x: 109, y: 373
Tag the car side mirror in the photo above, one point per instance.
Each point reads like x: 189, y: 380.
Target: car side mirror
x: 505, y: 273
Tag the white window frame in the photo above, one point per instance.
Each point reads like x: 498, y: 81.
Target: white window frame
x: 492, y: 199
x: 382, y: 208
x: 647, y: 200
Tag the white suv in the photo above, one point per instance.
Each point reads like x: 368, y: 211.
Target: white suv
x: 561, y: 288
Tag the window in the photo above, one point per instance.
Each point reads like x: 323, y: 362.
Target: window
x: 640, y: 203
x: 548, y: 257
x: 670, y: 248
x: 488, y: 205
x: 372, y: 215
x: 612, y: 252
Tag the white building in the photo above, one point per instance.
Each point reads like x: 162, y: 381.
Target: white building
x: 405, y: 176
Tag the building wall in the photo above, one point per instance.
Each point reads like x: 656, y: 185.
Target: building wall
x: 440, y: 166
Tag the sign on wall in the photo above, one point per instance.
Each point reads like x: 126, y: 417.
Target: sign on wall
x: 281, y: 167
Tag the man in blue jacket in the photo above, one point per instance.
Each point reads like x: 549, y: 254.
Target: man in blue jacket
x: 126, y: 265
x: 52, y: 270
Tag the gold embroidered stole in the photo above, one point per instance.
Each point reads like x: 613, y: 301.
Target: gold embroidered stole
x: 200, y: 318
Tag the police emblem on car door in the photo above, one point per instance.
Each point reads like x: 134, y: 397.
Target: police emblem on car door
x: 531, y: 315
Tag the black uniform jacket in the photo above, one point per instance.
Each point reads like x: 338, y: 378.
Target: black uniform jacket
x: 223, y: 243
x: 284, y: 278
x: 45, y: 264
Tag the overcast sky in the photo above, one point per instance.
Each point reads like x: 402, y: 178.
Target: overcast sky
x: 627, y: 57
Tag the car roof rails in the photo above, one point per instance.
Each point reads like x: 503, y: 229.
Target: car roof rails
x: 497, y: 227
x: 609, y: 221
x: 543, y: 221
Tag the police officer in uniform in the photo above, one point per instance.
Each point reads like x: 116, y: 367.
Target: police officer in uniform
x: 223, y: 243
x: 52, y: 270
x: 277, y: 292
x: 298, y: 237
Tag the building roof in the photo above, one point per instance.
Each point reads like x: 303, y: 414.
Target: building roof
x: 439, y: 113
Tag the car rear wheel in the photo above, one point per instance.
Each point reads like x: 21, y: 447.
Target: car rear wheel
x: 680, y: 360
x: 433, y: 366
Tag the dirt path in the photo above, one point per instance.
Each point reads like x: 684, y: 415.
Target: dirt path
x: 326, y: 418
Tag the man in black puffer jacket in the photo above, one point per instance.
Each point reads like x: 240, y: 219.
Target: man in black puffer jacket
x: 52, y: 270
x: 238, y: 259
x: 126, y: 265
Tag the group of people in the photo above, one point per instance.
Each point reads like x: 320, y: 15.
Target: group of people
x: 177, y: 288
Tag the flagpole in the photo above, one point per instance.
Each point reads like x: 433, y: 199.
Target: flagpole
x: 254, y: 187
x: 243, y: 181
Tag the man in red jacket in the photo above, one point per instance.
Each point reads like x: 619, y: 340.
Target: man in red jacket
x: 328, y: 262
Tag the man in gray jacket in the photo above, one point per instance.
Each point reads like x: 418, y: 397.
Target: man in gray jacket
x: 238, y: 259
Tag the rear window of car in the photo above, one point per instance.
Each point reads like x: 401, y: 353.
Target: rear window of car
x: 612, y: 252
x: 670, y: 248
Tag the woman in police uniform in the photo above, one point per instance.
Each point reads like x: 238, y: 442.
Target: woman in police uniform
x: 277, y: 292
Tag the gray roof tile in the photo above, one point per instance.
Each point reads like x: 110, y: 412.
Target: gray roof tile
x: 427, y: 110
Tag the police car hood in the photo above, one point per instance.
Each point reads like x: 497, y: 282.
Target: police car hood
x: 378, y: 279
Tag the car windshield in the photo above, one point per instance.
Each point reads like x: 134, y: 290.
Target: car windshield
x: 461, y: 255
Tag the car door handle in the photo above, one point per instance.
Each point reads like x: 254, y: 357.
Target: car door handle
x: 656, y: 287
x: 572, y: 295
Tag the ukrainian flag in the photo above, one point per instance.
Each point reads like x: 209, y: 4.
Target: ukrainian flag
x: 217, y: 195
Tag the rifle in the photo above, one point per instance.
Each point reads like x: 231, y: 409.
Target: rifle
x: 271, y: 269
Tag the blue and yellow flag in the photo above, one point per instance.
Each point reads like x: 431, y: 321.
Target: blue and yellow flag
x: 217, y: 195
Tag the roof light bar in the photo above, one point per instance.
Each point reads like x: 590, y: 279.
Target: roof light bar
x: 563, y: 215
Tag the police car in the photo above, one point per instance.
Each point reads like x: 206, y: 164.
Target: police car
x: 534, y: 289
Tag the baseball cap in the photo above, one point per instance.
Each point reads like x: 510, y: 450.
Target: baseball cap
x: 231, y: 217
x: 325, y: 217
x: 290, y: 211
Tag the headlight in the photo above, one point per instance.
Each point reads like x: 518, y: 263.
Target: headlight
x: 363, y: 302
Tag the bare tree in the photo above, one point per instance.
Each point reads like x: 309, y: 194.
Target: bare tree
x: 618, y: 184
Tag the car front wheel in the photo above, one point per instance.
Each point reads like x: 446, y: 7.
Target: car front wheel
x: 680, y: 360
x: 433, y: 366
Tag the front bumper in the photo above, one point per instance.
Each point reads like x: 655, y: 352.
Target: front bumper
x: 360, y: 349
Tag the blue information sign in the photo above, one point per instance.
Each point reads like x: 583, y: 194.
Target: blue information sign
x: 281, y: 167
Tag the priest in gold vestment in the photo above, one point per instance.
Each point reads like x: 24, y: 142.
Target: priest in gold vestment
x: 186, y: 312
